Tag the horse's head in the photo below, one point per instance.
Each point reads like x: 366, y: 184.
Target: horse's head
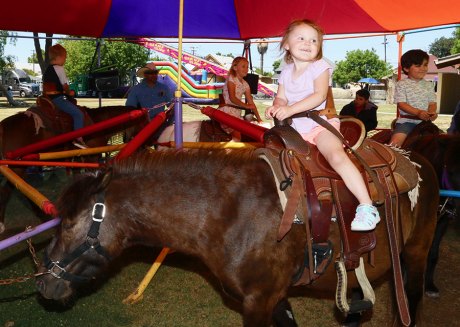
x: 83, y: 244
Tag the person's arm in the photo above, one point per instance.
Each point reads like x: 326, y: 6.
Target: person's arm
x: 407, y: 108
x: 432, y: 111
x: 280, y: 100
x: 251, y: 105
x: 231, y: 87
x: 369, y: 118
x: 131, y: 101
x: 347, y: 110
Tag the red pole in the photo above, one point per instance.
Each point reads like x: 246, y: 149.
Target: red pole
x: 254, y: 131
x: 50, y: 163
x: 142, y: 136
x: 60, y: 139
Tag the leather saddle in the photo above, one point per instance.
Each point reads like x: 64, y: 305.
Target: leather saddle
x: 211, y: 131
x: 53, y: 118
x: 292, y: 158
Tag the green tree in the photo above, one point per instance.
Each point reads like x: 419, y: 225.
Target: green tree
x: 258, y: 71
x: 456, y: 46
x: 441, y: 47
x: 276, y: 65
x: 359, y: 64
x: 123, y: 56
x: 33, y: 59
x: 6, y: 62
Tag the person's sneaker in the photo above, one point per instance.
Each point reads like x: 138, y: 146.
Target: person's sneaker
x: 366, y: 218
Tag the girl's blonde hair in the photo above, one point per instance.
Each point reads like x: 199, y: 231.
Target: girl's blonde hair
x: 235, y: 63
x: 290, y: 28
x: 56, y: 51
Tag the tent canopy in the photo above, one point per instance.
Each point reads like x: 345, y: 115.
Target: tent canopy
x: 222, y: 19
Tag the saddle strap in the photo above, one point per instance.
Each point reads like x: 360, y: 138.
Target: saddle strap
x: 290, y: 167
x: 324, y: 123
x: 354, y: 244
x: 401, y: 299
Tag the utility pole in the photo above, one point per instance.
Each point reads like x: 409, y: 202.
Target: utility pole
x: 385, y: 42
x: 192, y: 49
x: 33, y: 61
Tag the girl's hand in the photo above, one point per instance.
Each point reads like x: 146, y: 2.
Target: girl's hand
x: 251, y: 106
x: 269, y: 112
x: 433, y: 116
x: 282, y: 112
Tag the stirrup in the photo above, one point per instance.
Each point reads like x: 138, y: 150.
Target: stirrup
x: 341, y: 292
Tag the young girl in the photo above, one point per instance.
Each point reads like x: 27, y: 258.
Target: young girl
x: 303, y: 85
x: 56, y: 87
x: 234, y: 89
x: 415, y: 97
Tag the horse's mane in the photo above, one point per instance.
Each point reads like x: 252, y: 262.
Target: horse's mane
x: 196, y: 159
x: 77, y: 195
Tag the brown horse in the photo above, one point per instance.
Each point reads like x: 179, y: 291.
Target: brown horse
x: 223, y: 208
x: 442, y: 152
x: 19, y: 130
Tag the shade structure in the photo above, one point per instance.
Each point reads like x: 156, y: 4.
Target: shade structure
x: 223, y: 19
x: 369, y: 80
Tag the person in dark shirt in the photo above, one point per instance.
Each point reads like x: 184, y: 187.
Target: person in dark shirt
x: 363, y: 109
x: 56, y: 87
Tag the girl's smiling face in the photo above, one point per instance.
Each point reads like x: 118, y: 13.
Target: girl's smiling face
x: 303, y: 43
x: 241, y: 69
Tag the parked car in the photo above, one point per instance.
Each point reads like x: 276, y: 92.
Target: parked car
x: 20, y: 83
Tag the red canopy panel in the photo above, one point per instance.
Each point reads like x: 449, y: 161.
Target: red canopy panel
x: 79, y: 17
x: 224, y: 19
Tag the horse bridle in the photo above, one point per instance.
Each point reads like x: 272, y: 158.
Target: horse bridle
x: 57, y: 268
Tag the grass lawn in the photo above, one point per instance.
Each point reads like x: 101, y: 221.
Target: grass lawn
x: 386, y: 112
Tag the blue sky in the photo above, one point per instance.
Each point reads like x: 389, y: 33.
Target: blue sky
x: 334, y: 49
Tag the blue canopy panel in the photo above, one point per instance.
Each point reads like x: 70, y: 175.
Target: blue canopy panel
x: 144, y: 18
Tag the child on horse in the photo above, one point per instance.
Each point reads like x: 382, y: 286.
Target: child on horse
x: 56, y: 87
x: 414, y: 96
x: 234, y: 89
x: 303, y: 85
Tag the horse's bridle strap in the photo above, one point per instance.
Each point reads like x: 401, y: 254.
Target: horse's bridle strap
x: 91, y: 242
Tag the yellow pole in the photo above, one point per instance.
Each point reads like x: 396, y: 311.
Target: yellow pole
x: 39, y: 199
x: 219, y: 145
x: 137, y: 294
x: 179, y: 57
x: 79, y: 152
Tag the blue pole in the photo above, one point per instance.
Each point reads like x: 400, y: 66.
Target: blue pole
x: 449, y: 193
x: 178, y: 133
x: 29, y: 233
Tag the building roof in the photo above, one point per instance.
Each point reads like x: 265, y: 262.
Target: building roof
x: 452, y: 60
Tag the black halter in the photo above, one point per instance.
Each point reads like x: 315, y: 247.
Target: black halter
x: 57, y: 268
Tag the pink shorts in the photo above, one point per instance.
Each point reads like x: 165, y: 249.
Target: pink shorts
x: 313, y: 134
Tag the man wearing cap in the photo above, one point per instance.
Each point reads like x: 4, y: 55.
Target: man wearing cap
x: 149, y: 93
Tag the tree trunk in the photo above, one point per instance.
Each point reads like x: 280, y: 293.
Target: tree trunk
x: 43, y: 62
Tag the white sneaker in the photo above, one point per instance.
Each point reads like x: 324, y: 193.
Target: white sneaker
x: 366, y: 218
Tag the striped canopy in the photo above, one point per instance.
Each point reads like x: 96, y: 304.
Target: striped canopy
x: 223, y: 19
